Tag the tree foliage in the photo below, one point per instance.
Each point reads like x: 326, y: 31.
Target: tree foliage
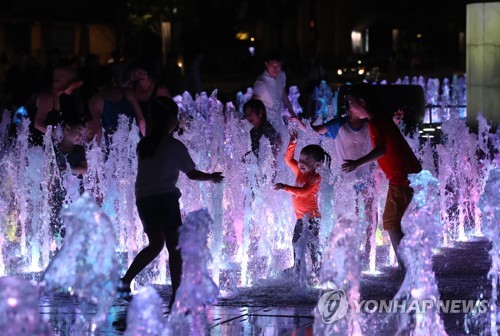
x: 149, y: 14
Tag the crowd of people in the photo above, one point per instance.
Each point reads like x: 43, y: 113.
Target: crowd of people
x: 365, y: 135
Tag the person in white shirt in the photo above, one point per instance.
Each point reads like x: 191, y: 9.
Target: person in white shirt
x: 270, y: 88
x: 352, y: 140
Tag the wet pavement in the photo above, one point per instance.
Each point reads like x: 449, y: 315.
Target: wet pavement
x: 279, y: 307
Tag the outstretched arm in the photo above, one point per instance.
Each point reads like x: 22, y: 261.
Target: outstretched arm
x: 141, y: 122
x: 375, y: 154
x: 298, y: 191
x: 331, y: 128
x: 44, y: 104
x: 320, y: 129
x: 201, y: 176
x: 290, y: 151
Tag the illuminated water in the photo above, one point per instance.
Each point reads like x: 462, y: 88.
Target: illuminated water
x: 250, y: 231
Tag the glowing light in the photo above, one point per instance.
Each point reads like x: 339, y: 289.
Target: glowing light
x: 251, y: 50
x: 252, y: 39
x: 242, y: 36
x: 359, y: 61
x: 12, y: 302
x: 430, y: 136
x: 419, y: 35
x: 33, y: 269
x: 356, y: 41
x: 361, y: 71
x: 429, y: 129
x: 339, y: 72
x: 179, y: 64
x: 438, y: 127
x: 374, y: 273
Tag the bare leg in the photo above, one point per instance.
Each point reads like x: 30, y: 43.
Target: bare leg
x: 313, y: 245
x: 396, y: 236
x: 297, y: 233
x: 371, y: 217
x: 147, y: 255
x: 175, y: 262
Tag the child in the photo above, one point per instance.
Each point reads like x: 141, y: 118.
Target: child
x: 160, y: 159
x: 70, y: 149
x: 255, y: 114
x: 108, y: 105
x: 352, y: 140
x: 305, y: 195
x: 90, y: 130
x: 393, y: 154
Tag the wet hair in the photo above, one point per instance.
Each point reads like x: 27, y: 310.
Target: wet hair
x: 73, y: 121
x: 148, y: 65
x: 367, y: 93
x: 162, y: 111
x: 317, y: 153
x: 273, y: 55
x: 256, y: 105
x: 65, y: 73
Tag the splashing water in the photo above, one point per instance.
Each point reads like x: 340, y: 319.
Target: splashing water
x: 293, y: 96
x: 323, y: 95
x: 19, y: 312
x: 490, y: 204
x: 420, y: 224
x: 86, y: 265
x: 144, y: 315
x: 341, y: 268
x: 250, y: 235
x: 197, y: 288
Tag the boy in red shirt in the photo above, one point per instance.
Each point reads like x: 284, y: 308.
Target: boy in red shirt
x: 393, y: 154
x: 305, y: 194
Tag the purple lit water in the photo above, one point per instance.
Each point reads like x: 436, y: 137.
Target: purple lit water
x: 250, y: 231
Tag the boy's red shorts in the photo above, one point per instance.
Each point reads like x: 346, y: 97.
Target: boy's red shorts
x: 398, y: 199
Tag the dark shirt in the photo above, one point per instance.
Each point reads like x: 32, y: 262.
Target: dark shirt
x: 112, y: 110
x: 145, y: 109
x: 54, y: 117
x: 74, y: 158
x: 265, y: 129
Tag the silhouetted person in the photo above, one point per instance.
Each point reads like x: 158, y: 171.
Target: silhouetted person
x: 160, y: 159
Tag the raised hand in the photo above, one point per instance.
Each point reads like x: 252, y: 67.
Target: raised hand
x: 349, y: 166
x: 298, y: 122
x: 217, y: 177
x: 279, y: 186
x: 398, y: 116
